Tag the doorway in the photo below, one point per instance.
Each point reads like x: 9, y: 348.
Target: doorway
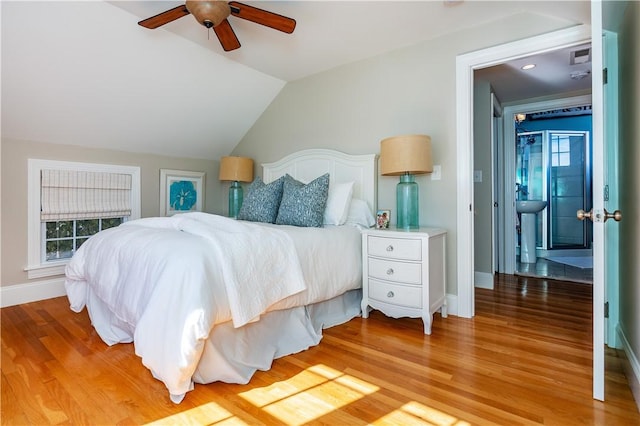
x: 553, y: 169
x: 509, y: 214
x: 466, y: 65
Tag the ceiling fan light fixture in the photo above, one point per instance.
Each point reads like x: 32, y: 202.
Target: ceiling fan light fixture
x: 209, y: 13
x: 214, y: 14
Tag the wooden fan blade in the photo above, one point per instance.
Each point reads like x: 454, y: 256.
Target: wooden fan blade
x: 164, y: 17
x: 227, y: 36
x: 263, y: 17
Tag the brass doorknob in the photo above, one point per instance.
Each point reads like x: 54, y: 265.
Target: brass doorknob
x: 616, y: 215
x: 582, y: 215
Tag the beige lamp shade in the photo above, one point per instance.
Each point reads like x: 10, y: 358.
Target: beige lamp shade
x: 406, y: 154
x: 236, y: 169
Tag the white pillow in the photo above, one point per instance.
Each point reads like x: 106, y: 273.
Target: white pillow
x: 338, y: 201
x: 360, y: 214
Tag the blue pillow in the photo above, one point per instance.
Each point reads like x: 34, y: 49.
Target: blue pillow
x: 303, y: 205
x: 262, y: 201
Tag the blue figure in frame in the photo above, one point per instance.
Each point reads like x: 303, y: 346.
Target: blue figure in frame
x: 182, y: 195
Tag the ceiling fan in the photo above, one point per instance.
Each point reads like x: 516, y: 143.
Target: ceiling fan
x: 214, y: 14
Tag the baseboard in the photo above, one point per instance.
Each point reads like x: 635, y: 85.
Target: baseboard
x: 452, y: 304
x: 31, y: 292
x: 483, y: 280
x: 631, y: 366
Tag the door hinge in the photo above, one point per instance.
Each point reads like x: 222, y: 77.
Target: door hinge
x: 606, y: 309
x: 605, y: 76
x: 606, y: 193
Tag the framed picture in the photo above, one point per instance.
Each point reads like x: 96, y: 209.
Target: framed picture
x: 383, y: 217
x: 181, y: 191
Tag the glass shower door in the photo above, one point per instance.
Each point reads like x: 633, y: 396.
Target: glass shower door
x: 569, y: 189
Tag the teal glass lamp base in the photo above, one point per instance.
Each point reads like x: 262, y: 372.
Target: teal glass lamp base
x: 235, y: 199
x: 407, y: 202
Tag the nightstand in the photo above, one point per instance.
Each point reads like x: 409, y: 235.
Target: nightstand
x: 403, y: 273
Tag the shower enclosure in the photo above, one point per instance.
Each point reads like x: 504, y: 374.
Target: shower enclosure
x: 555, y: 166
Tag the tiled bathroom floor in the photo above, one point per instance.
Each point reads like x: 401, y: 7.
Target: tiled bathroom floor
x: 550, y: 269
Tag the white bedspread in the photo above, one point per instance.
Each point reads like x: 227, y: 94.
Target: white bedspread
x: 165, y: 282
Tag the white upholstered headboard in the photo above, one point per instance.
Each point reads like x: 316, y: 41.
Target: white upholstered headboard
x: 308, y: 164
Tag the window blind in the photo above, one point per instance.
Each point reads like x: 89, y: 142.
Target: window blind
x: 71, y: 194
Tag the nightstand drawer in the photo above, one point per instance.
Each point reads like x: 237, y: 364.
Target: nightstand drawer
x: 395, y: 294
x: 394, y: 248
x: 395, y: 271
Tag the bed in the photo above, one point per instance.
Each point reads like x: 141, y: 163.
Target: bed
x: 206, y: 298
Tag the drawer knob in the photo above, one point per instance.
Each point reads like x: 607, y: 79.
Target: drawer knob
x: 390, y: 271
x: 390, y: 294
x: 389, y: 248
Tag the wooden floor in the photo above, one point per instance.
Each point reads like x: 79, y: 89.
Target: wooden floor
x: 524, y: 359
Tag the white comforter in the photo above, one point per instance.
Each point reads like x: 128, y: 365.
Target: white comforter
x: 167, y: 281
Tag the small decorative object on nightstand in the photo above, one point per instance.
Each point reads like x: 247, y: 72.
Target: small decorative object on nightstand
x: 403, y: 273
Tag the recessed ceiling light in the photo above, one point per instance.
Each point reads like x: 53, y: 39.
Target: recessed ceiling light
x: 528, y: 66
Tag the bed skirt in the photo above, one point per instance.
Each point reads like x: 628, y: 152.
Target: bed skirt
x: 233, y: 355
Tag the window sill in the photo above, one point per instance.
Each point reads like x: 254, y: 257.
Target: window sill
x: 42, y: 271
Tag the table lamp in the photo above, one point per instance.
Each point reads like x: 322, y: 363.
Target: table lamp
x: 236, y: 170
x: 406, y: 156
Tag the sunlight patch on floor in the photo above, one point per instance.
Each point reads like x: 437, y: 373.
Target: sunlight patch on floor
x: 414, y: 413
x: 311, y: 394
x: 308, y: 396
x: 209, y: 413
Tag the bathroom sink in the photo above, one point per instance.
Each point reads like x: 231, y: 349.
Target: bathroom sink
x: 530, y: 206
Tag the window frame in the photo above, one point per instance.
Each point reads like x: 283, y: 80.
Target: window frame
x: 558, y: 154
x: 74, y: 238
x: 36, y: 266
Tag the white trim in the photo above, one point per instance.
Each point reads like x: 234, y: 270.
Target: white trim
x: 632, y: 366
x: 31, y: 292
x: 43, y: 271
x: 35, y: 267
x: 496, y: 184
x: 452, y: 304
x: 465, y: 65
x: 483, y: 280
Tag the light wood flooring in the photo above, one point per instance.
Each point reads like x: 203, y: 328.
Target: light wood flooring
x: 524, y: 359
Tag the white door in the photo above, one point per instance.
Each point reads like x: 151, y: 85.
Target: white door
x: 611, y: 195
x: 605, y: 263
x: 598, y: 203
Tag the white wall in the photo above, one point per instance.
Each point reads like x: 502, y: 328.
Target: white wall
x: 84, y: 73
x: 629, y: 54
x: 14, y: 187
x: 82, y: 82
x: 411, y: 90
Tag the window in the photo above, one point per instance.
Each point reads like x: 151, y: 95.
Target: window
x: 63, y: 237
x: 560, y: 150
x: 69, y: 202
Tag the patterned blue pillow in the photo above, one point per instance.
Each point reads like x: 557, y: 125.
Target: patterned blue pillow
x: 303, y: 205
x: 262, y: 201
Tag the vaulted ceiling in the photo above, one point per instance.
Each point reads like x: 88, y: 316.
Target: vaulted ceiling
x: 173, y: 90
